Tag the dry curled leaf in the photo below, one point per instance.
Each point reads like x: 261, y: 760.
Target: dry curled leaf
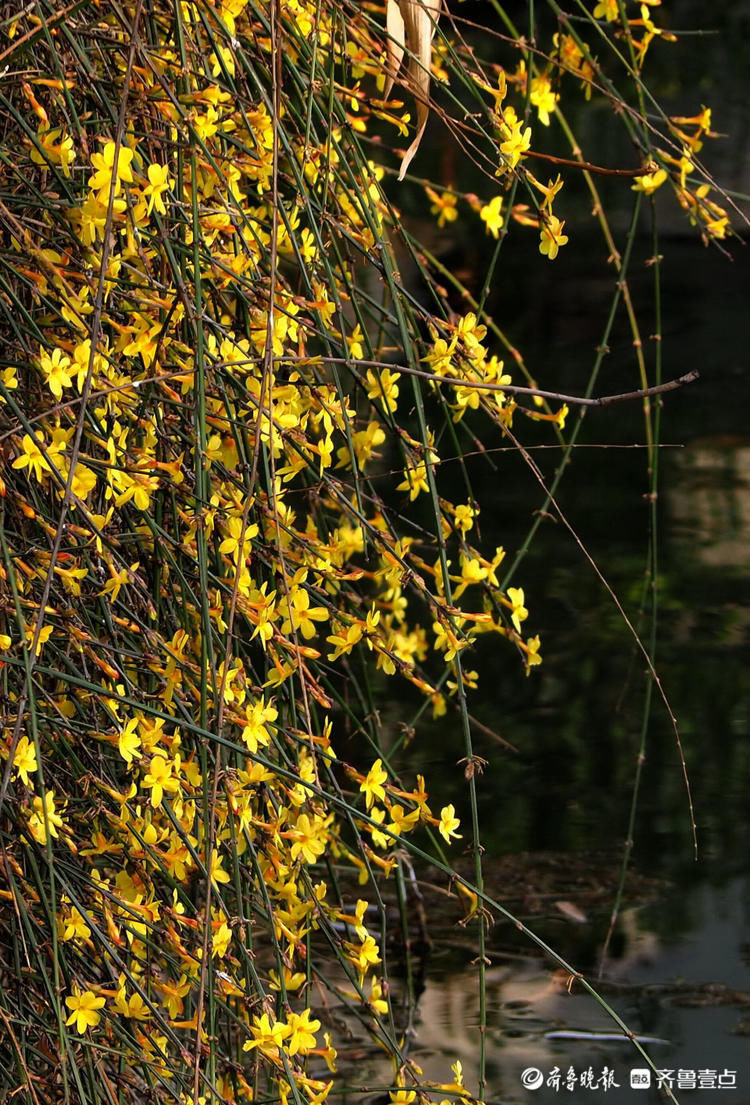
x: 411, y: 23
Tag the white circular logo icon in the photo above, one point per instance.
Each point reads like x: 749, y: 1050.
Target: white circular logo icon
x: 532, y: 1078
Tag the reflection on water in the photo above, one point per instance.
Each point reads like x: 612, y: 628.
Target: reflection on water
x: 709, y: 500
x: 688, y: 988
x: 684, y: 990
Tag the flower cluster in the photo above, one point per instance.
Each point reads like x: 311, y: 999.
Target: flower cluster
x: 540, y: 89
x: 201, y: 560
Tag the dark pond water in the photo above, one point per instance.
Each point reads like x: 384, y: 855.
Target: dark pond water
x: 678, y: 967
x: 554, y: 814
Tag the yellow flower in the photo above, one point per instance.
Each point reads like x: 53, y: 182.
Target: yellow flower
x: 222, y: 938
x: 57, y: 149
x: 516, y: 139
x: 330, y: 1054
x: 531, y: 649
x: 491, y: 214
x: 258, y: 717
x: 372, y: 786
x: 44, y: 636
x: 543, y: 98
x: 302, y: 616
x: 268, y: 1036
x: 519, y: 613
x: 472, y: 571
x: 302, y: 1030
x: 129, y: 742
x: 310, y: 838
x: 649, y: 182
x: 383, y: 386
x: 560, y: 417
x: 9, y: 380
x: 401, y: 821
x: 464, y: 517
x: 159, y: 182
x: 344, y: 642
x: 31, y: 458
x: 173, y: 992
x: 55, y: 369
x: 379, y: 838
x: 606, y: 9
x: 24, y: 760
x: 439, y: 706
x: 447, y: 642
x: 206, y: 125
x: 133, y: 1006
x: 216, y: 870
x: 366, y: 955
x: 415, y: 480
x: 71, y: 576
x: 238, y: 542
x: 440, y: 358
x: 444, y: 206
x: 83, y: 1007
x: 471, y: 332
x: 119, y: 579
x: 448, y: 824
x: 292, y: 980
x: 377, y: 1002
x: 552, y: 237
x: 222, y: 57
x: 93, y: 217
x: 548, y: 190
x: 104, y: 164
x: 356, y: 348
x: 159, y: 778
x: 73, y: 925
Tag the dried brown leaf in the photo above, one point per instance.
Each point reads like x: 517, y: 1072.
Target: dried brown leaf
x: 411, y: 25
